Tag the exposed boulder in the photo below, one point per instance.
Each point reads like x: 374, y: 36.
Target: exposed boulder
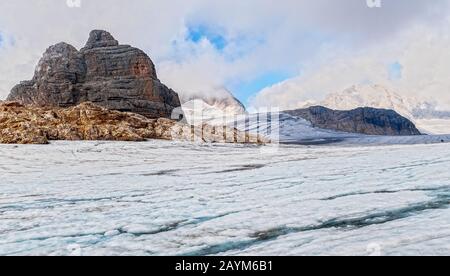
x: 370, y: 121
x: 114, y: 76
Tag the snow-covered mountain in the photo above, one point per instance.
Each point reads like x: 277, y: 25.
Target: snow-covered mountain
x: 227, y: 104
x: 229, y: 111
x: 213, y: 109
x: 198, y: 111
x: 221, y: 100
x: 376, y: 96
x: 423, y: 113
x: 429, y: 110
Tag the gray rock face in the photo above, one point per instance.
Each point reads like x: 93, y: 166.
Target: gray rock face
x: 100, y: 39
x: 114, y: 76
x: 365, y: 120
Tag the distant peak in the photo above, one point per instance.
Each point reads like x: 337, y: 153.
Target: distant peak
x: 100, y: 39
x: 61, y: 48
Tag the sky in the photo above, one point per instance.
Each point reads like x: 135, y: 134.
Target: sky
x: 268, y: 53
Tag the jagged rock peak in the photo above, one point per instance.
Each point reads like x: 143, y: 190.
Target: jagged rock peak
x: 117, y: 77
x: 61, y: 48
x: 100, y: 39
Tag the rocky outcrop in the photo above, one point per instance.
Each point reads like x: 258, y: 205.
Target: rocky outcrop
x: 117, y: 77
x: 366, y: 120
x: 37, y: 125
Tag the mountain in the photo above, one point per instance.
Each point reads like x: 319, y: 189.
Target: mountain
x: 425, y: 114
x: 312, y: 122
x: 319, y: 126
x: 222, y: 100
x: 212, y: 109
x: 114, y: 76
x: 429, y: 110
x: 375, y: 96
x: 378, y: 96
x: 362, y: 120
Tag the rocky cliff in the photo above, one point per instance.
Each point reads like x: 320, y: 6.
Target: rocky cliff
x: 370, y: 121
x: 111, y: 75
x: 37, y: 125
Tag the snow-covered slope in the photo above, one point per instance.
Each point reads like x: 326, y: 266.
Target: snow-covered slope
x: 283, y: 128
x: 290, y: 129
x: 198, y: 112
x: 376, y: 96
x: 287, y: 129
x: 229, y: 105
x: 212, y: 108
x: 221, y: 100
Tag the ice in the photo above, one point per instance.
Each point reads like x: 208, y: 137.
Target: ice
x: 173, y: 198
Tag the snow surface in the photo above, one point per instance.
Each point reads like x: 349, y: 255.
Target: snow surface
x: 434, y: 126
x: 169, y: 198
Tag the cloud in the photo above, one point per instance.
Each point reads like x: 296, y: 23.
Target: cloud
x: 414, y: 61
x: 200, y: 46
x: 316, y: 84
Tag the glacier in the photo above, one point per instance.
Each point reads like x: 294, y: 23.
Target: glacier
x: 176, y: 198
x: 281, y: 127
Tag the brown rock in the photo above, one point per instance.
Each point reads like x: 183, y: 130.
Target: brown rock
x: 21, y: 124
x: 114, y: 76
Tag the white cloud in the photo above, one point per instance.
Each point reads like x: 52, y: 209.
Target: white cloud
x: 332, y: 43
x: 422, y: 50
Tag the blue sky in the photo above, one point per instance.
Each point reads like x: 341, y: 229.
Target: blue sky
x: 243, y: 89
x: 395, y: 71
x: 198, y: 32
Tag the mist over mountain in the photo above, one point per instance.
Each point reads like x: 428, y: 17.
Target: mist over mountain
x: 430, y: 110
x: 220, y: 99
x: 379, y: 96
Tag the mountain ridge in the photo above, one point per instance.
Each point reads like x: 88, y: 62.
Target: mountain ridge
x: 362, y: 120
x: 114, y: 76
x: 379, y: 96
